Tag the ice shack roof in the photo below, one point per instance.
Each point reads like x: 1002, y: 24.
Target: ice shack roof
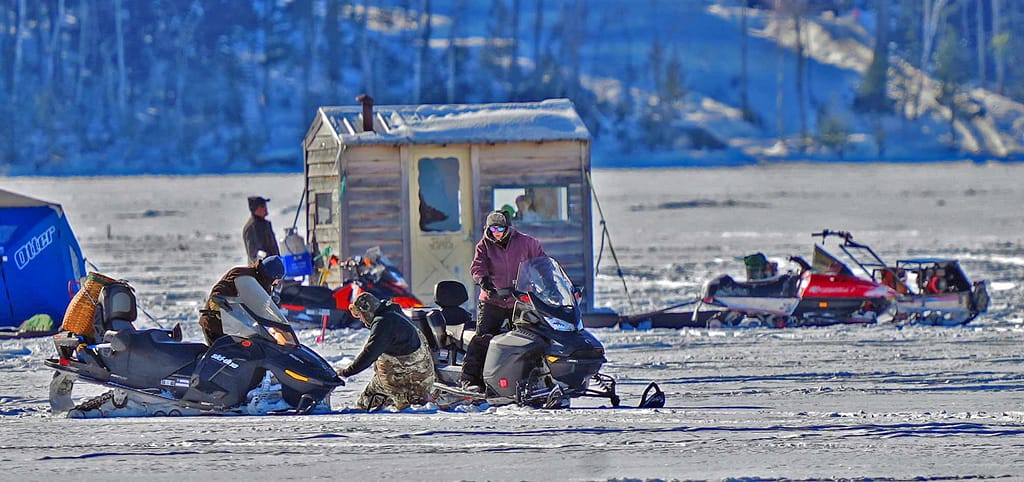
x: 10, y: 199
x: 548, y: 120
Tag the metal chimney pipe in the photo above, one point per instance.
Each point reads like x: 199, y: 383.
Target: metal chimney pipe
x: 367, y: 102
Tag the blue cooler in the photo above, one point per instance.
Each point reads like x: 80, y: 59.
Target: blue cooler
x: 297, y: 259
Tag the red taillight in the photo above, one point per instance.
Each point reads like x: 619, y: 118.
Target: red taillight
x: 503, y: 383
x: 246, y: 343
x: 64, y: 362
x: 524, y: 298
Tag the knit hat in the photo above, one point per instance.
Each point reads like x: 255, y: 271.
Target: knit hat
x: 365, y: 304
x: 256, y: 201
x: 497, y: 218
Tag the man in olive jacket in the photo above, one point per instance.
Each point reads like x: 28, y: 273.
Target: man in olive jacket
x: 403, y: 367
x: 258, y: 233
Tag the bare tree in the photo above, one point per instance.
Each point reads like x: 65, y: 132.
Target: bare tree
x: 513, y: 55
x: 122, y: 75
x: 979, y: 14
x: 538, y: 28
x: 574, y: 20
x: 799, y: 8
x: 780, y: 117
x: 451, y: 56
x: 19, y: 53
x: 950, y: 58
x: 365, y: 52
x: 53, y: 48
x: 999, y: 42
x: 266, y: 93
x: 335, y: 50
x: 14, y: 122
x: 933, y: 12
x: 744, y: 97
x: 423, y: 53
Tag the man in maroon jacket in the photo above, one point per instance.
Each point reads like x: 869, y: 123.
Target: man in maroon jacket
x: 495, y: 265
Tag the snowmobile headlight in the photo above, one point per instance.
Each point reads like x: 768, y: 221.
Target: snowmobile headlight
x: 559, y: 324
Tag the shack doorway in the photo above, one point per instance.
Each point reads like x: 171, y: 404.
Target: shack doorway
x: 441, y: 217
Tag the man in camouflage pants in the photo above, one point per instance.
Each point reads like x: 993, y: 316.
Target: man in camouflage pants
x: 403, y: 367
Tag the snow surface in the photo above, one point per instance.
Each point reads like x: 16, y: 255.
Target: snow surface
x: 837, y: 402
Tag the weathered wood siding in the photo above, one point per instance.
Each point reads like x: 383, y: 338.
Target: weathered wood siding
x: 321, y: 166
x: 372, y: 208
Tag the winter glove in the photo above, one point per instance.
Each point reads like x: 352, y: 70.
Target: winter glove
x: 487, y: 285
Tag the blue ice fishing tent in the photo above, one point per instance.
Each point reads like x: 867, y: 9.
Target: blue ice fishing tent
x: 40, y: 260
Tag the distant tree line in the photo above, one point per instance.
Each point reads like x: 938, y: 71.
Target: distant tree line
x: 183, y: 84
x: 186, y: 83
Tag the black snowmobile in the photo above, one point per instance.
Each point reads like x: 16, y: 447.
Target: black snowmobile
x: 259, y: 367
x: 545, y: 359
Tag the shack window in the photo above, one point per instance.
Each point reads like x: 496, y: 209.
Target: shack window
x: 439, y: 206
x: 534, y: 204
x: 324, y: 213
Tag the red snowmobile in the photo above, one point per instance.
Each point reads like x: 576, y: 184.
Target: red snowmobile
x: 306, y: 305
x: 824, y: 292
x: 930, y: 291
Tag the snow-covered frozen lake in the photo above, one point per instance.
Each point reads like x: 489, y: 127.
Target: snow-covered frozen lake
x: 847, y: 402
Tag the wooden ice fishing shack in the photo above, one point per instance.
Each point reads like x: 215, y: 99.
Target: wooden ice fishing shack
x: 418, y: 181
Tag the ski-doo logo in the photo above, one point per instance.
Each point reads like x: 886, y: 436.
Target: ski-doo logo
x: 27, y: 252
x: 225, y: 360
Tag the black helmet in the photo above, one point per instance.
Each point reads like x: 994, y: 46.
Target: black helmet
x: 271, y: 268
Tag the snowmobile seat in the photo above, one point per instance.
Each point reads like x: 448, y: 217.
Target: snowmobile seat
x: 118, y: 308
x: 147, y: 356
x: 452, y: 322
x: 780, y: 286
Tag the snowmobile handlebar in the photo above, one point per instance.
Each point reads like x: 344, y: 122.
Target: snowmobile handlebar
x: 828, y: 232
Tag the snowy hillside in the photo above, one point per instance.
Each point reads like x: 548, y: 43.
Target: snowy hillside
x: 839, y: 53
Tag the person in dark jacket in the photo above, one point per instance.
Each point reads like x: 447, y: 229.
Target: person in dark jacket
x: 495, y: 265
x: 258, y: 233
x: 267, y: 272
x: 403, y: 367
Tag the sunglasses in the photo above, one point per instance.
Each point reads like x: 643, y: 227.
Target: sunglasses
x: 497, y: 229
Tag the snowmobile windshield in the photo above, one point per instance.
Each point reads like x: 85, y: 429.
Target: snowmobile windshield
x: 544, y: 278
x: 254, y: 314
x: 823, y: 262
